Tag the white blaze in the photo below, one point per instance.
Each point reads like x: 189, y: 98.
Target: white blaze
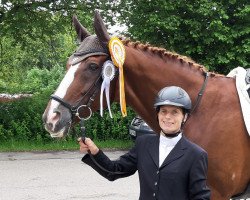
x: 62, y: 90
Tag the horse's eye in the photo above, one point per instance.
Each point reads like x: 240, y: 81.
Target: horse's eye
x: 93, y: 66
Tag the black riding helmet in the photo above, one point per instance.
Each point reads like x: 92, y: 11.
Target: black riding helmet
x: 174, y: 96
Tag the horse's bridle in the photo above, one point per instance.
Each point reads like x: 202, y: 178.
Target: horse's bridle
x: 74, y: 110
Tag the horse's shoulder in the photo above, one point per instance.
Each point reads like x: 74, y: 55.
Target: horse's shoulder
x: 193, y: 146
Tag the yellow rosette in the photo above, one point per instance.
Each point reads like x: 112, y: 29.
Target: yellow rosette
x: 117, y: 51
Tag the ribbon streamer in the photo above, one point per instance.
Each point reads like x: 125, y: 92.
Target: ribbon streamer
x: 105, y: 86
x: 117, y: 51
x: 122, y: 93
x: 108, y: 73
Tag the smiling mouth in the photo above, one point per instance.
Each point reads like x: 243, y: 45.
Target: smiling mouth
x: 168, y: 123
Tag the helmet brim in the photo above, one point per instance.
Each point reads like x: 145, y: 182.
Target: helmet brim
x: 168, y: 103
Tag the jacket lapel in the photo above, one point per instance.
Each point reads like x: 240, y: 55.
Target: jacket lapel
x: 177, y: 152
x: 154, y: 150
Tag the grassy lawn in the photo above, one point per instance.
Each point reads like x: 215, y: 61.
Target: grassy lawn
x: 57, y: 145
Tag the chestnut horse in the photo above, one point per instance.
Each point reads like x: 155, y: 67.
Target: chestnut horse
x: 216, y: 124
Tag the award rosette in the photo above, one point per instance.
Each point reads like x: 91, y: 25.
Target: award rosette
x: 117, y: 51
x: 108, y: 73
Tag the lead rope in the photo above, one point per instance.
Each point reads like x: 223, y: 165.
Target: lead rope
x: 83, y: 137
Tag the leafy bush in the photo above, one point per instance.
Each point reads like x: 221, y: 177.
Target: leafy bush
x: 104, y: 128
x: 22, y: 120
x: 42, y: 80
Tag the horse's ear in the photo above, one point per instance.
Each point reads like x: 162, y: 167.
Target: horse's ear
x: 82, y: 32
x: 100, y: 29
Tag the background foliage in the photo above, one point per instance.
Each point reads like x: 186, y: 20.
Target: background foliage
x: 214, y: 33
x: 36, y: 38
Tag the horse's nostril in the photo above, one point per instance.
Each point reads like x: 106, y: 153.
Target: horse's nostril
x: 55, y: 116
x: 49, y: 125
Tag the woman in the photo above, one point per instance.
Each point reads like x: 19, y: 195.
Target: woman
x: 169, y: 165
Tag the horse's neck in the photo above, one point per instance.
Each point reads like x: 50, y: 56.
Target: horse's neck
x: 145, y: 74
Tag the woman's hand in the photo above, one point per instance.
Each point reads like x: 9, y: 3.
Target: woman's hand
x: 88, y: 145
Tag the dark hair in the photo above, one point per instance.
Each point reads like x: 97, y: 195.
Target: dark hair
x: 185, y: 111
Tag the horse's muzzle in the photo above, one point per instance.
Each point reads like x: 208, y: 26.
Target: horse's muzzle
x: 58, y: 122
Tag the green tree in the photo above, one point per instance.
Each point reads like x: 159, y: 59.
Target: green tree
x: 213, y: 33
x: 36, y: 39
x: 24, y: 19
x: 36, y: 34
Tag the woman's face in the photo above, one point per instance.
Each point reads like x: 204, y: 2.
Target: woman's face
x: 170, y: 119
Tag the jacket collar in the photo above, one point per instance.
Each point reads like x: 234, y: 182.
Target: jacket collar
x: 177, y: 152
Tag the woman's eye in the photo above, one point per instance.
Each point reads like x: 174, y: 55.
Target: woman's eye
x: 163, y: 112
x: 93, y: 66
x: 176, y: 112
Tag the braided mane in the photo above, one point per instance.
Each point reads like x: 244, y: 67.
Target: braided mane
x: 163, y: 53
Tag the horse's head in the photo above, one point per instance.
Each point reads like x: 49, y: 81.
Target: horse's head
x: 78, y: 89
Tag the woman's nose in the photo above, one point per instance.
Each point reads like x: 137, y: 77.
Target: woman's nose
x: 167, y: 115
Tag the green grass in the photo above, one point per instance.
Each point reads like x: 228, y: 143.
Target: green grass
x: 58, y: 145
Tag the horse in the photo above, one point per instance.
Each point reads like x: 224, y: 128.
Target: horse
x: 216, y: 124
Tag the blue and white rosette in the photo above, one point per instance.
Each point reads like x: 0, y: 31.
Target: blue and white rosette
x: 108, y: 73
